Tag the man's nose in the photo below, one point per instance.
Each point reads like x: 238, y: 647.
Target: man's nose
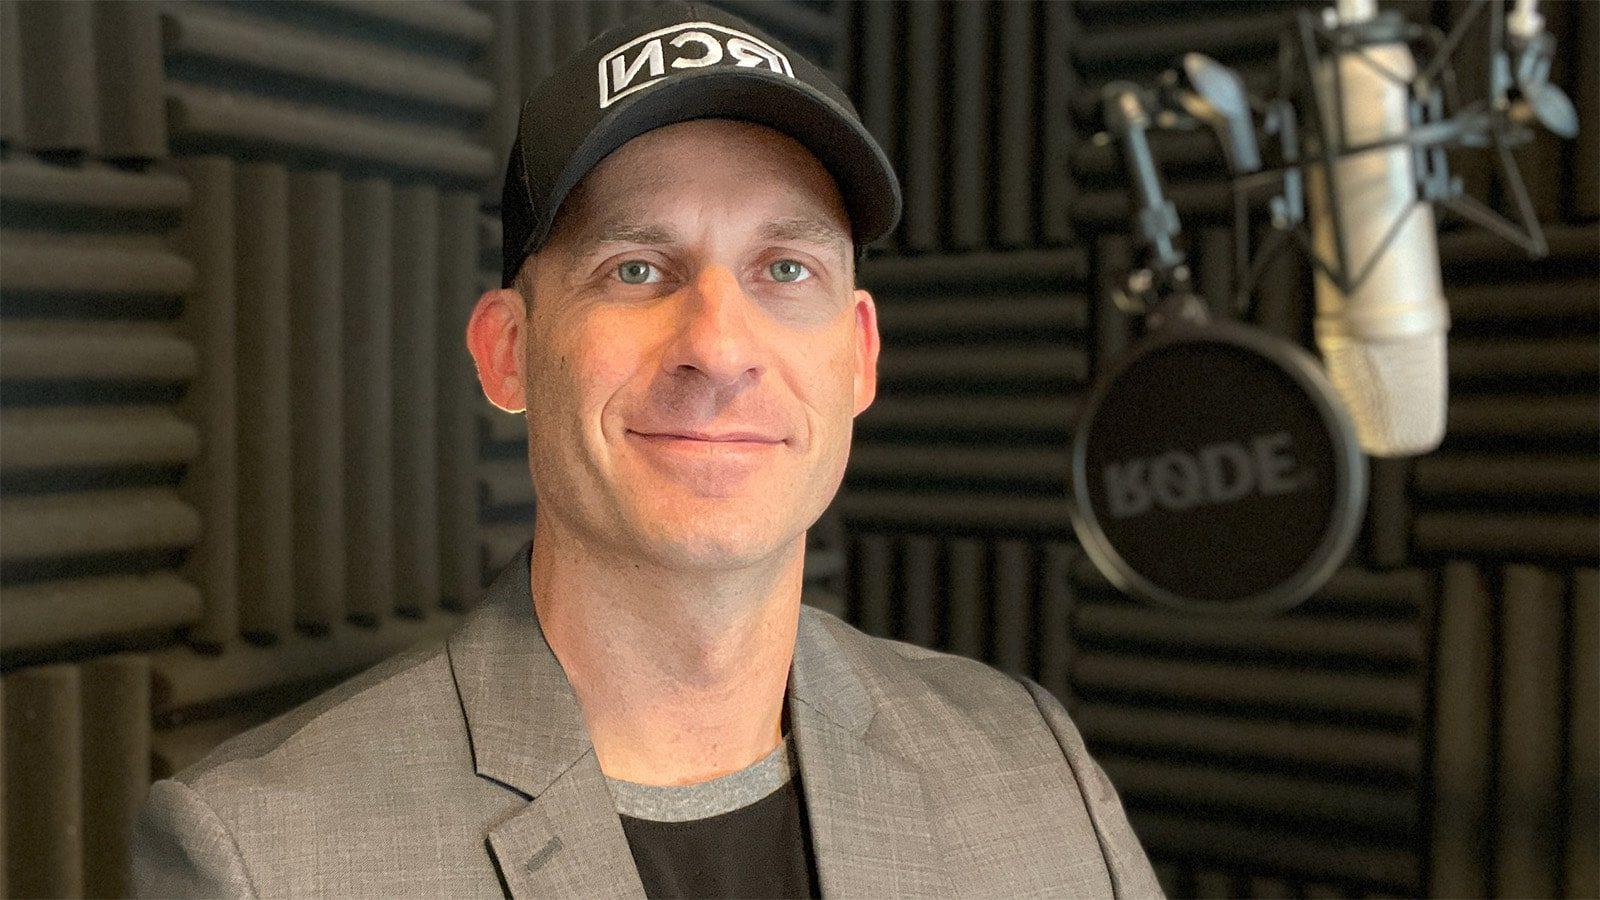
x: 714, y: 334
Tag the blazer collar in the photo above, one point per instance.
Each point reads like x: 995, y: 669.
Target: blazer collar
x: 865, y: 805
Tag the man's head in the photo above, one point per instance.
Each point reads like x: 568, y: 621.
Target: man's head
x: 686, y: 337
x: 701, y: 284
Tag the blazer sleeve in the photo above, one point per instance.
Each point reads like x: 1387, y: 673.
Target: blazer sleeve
x: 1131, y: 874
x: 181, y: 848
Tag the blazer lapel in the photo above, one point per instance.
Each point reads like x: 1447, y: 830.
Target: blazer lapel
x: 865, y: 805
x: 527, y: 733
x: 568, y: 842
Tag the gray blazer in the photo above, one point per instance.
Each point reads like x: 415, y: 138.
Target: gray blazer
x: 464, y: 769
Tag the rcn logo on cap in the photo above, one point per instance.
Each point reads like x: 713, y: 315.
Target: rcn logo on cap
x: 647, y: 58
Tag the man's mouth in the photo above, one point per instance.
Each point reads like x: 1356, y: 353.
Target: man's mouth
x: 732, y: 438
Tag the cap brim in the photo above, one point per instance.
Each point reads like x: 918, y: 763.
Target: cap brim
x: 867, y: 182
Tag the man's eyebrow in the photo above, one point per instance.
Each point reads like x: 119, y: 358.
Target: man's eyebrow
x: 803, y: 228
x: 792, y: 228
x: 621, y: 232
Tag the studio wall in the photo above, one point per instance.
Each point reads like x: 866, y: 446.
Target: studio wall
x: 243, y: 453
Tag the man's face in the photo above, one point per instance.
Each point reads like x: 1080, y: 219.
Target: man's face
x: 695, y: 350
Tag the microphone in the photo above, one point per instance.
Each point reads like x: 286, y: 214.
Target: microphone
x: 1381, y: 333
x: 1216, y: 468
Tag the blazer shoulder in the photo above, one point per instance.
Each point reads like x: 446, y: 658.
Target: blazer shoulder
x: 395, y: 688
x: 380, y: 763
x: 955, y: 690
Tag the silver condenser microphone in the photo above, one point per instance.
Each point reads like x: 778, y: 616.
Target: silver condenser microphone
x: 1384, y: 342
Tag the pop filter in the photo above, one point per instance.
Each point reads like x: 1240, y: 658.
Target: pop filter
x: 1215, y: 470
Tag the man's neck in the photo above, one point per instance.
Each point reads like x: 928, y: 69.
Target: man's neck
x: 681, y: 677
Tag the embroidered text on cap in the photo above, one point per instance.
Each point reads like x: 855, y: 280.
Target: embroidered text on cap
x: 691, y: 45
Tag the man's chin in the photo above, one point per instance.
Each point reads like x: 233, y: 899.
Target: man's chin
x: 705, y: 548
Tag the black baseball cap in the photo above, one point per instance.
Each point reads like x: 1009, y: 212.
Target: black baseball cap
x: 675, y: 62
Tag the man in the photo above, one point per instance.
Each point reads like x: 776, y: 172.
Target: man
x: 642, y: 705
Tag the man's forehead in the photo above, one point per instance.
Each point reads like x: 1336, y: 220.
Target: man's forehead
x: 624, y: 195
x: 596, y: 216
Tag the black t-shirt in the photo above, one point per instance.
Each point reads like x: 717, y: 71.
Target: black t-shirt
x: 758, y: 849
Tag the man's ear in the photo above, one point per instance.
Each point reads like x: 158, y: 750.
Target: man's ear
x: 866, y: 351
x: 495, y: 338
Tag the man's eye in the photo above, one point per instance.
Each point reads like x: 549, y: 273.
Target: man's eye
x: 788, y: 270
x: 637, y: 271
